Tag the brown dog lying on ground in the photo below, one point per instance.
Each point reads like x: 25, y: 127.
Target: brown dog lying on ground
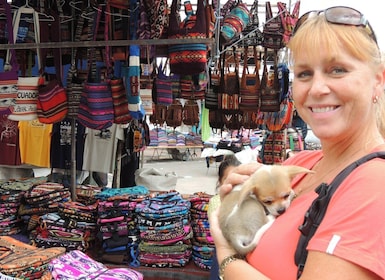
x: 250, y: 209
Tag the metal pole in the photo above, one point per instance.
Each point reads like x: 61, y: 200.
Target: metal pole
x: 73, y: 159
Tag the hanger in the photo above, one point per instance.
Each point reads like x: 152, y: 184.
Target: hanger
x: 113, y: 14
x: 74, y: 4
x: 45, y: 17
x: 88, y: 13
x: 26, y: 8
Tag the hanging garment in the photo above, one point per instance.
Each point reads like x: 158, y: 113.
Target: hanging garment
x: 35, y: 143
x: 61, y: 144
x: 100, y: 148
x: 9, y: 142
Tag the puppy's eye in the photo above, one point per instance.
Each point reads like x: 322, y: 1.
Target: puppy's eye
x: 268, y: 202
x: 286, y: 196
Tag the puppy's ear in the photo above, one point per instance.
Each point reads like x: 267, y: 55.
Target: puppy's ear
x: 247, y: 187
x: 293, y: 170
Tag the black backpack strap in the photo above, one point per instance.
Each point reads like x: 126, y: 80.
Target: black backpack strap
x: 317, y: 210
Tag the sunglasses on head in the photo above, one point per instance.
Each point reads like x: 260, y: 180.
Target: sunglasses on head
x: 340, y: 15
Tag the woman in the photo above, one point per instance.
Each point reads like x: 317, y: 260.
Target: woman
x: 338, y: 89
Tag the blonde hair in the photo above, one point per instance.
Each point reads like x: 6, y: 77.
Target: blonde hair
x: 316, y: 32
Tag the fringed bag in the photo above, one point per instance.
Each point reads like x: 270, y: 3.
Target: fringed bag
x: 270, y: 89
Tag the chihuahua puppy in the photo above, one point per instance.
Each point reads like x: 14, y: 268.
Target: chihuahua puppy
x: 251, y: 208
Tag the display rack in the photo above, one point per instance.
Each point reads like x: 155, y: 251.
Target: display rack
x: 112, y: 43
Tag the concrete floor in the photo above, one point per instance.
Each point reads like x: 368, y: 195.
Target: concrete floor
x: 193, y: 174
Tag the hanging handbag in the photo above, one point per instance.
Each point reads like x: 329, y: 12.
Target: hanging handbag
x: 191, y: 113
x: 216, y: 119
x: 118, y: 90
x: 51, y: 104
x: 75, y: 79
x: 132, y: 73
x: 159, y: 114
x: 289, y: 20
x: 210, y: 19
x: 193, y: 86
x: 27, y: 87
x: 212, y: 90
x: 118, y: 18
x: 188, y: 58
x: 270, y: 88
x: 252, y: 36
x: 250, y: 84
x: 163, y: 86
x: 276, y: 121
x: 96, y: 105
x: 146, y: 83
x: 120, y: 103
x: 174, y: 114
x: 8, y: 78
x: 235, y: 22
x: 228, y: 97
x: 273, y: 29
x: 273, y: 148
x: 250, y: 119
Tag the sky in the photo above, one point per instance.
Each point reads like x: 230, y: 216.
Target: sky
x: 374, y: 12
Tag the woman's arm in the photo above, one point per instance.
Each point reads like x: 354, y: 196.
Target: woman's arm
x: 322, y: 266
x: 238, y: 269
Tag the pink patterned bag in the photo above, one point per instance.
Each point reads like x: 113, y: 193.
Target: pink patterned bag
x: 77, y: 265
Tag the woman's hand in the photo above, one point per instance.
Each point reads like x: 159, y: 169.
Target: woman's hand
x: 237, y: 176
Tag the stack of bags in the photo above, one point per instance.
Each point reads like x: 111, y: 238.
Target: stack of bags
x: 23, y: 261
x: 154, y: 137
x: 41, y: 199
x: 162, y: 138
x: 86, y: 194
x: 10, y: 199
x: 193, y: 140
x: 11, y: 195
x: 73, y: 227
x: 203, y: 244
x: 165, y: 230
x: 171, y: 138
x: 118, y: 233
x: 180, y: 139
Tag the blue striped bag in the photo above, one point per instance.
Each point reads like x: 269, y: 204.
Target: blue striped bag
x: 96, y: 110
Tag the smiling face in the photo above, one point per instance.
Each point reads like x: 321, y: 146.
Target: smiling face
x: 335, y: 81
x: 333, y: 93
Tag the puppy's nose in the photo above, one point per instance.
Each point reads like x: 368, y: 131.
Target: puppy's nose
x: 281, y: 211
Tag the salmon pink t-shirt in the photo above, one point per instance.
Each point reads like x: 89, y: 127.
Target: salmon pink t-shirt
x: 353, y: 227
